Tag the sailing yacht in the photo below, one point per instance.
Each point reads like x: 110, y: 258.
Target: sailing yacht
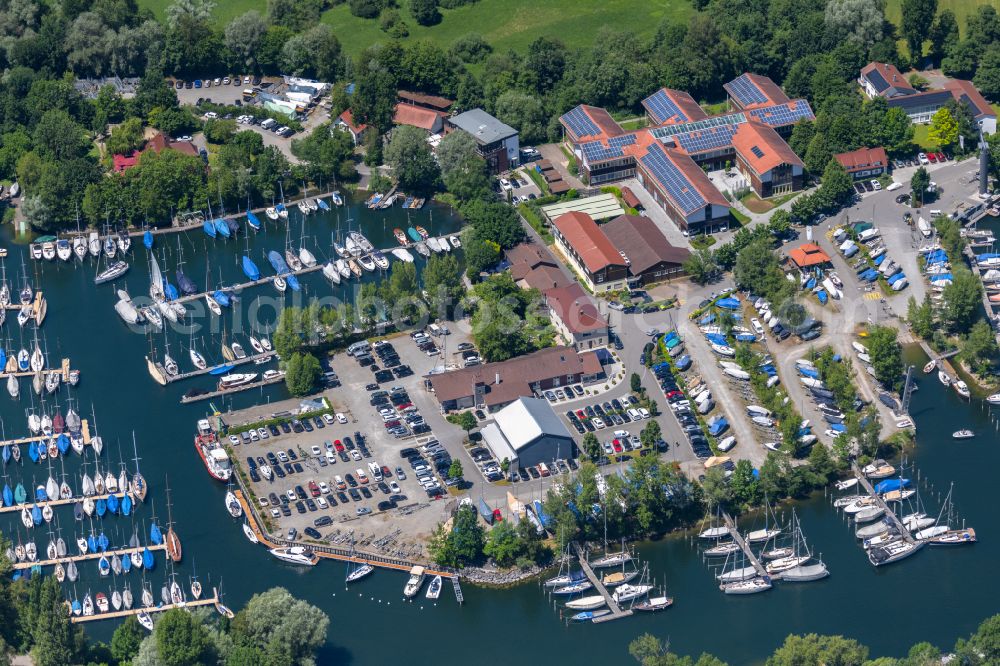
x: 197, y: 359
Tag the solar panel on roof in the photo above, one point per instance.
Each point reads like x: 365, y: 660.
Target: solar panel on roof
x: 596, y: 151
x: 746, y: 91
x: 783, y: 114
x: 876, y: 79
x: 694, y: 126
x: 757, y: 151
x: 579, y: 123
x: 707, y: 139
x: 680, y: 189
x: 663, y: 108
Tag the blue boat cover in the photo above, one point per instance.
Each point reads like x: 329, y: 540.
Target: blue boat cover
x: 891, y: 484
x: 896, y: 278
x: 728, y: 303
x: 147, y: 240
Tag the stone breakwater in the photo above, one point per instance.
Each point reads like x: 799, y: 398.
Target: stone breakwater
x: 491, y: 577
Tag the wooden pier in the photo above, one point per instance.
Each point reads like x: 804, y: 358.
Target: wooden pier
x: 39, y: 307
x: 120, y: 552
x: 63, y: 371
x: 734, y: 533
x: 84, y: 432
x: 56, y: 502
x: 159, y: 373
x: 616, y: 610
x: 458, y: 590
x: 866, y: 484
x: 110, y: 615
x: 245, y: 387
x: 328, y: 552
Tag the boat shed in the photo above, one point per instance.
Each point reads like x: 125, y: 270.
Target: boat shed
x: 527, y: 432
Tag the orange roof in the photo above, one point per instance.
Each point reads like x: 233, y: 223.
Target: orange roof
x: 863, y: 158
x: 408, y: 114
x: 348, y: 119
x: 588, y: 241
x: 123, y: 162
x: 575, y: 308
x: 965, y: 89
x: 761, y: 147
x: 808, y: 254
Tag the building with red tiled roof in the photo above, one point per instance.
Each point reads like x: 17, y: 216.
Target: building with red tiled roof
x: 576, y: 317
x: 525, y: 257
x: 158, y: 143
x: 650, y: 256
x: 879, y: 79
x: 864, y: 162
x: 494, y: 385
x: 670, y: 158
x: 751, y: 91
x: 345, y: 123
x: 808, y: 255
x: 416, y: 116
x: 433, y: 102
x: 769, y: 163
x: 589, y: 251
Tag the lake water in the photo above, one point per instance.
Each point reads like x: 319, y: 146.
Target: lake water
x: 937, y: 595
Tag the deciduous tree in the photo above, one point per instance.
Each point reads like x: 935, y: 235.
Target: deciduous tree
x: 944, y: 129
x: 917, y: 18
x: 411, y: 160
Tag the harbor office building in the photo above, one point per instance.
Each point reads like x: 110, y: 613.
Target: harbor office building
x: 496, y: 385
x: 528, y: 432
x: 669, y: 158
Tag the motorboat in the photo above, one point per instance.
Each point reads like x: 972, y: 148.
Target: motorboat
x: 380, y: 260
x: 367, y: 263
x: 236, y: 379
x: 400, y: 236
x: 337, y: 199
x: 434, y: 589
x: 846, y: 484
x: 944, y: 378
x: 963, y: 434
x: 455, y: 242
x: 402, y: 254
x: 343, y: 268
x: 80, y: 247
x: 271, y: 213
x: 331, y: 273
x: 280, y: 284
x: 238, y: 351
x: 64, y: 250
x: 878, y: 469
x: 961, y: 388
x: 415, y: 582
x: 628, y: 592
x: 421, y: 249
x: 653, y: 604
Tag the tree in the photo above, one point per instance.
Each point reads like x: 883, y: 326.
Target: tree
x: 886, y: 354
x: 494, y: 221
x: 943, y: 33
x: 409, y: 155
x: 462, y: 169
x: 58, y: 137
x: 837, y: 188
x: 443, y: 283
x: 302, y: 373
x: 961, y: 300
x: 987, y: 77
x: 51, y: 636
x: 525, y: 113
x: 813, y: 649
x: 650, y: 434
x: 126, y: 138
x: 313, y: 53
x: 296, y: 15
x: 701, y: 265
x: 480, y: 254
x: 860, y: 21
x: 591, y: 446
x: 245, y: 34
x: 716, y: 487
x: 180, y: 639
x: 635, y: 382
x: 464, y: 420
x: 979, y: 348
x: 745, y: 487
x: 425, y: 12
x: 467, y: 537
x: 919, y: 182
x: 87, y: 45
x: 944, y: 129
x: 455, y: 469
x: 126, y: 640
x: 503, y: 544
x: 285, y: 629
x: 327, y: 154
x: 917, y: 18
x: 921, y: 317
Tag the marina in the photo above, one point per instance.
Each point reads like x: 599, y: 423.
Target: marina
x: 616, y: 611
x: 120, y: 552
x: 186, y: 398
x: 161, y: 608
x: 162, y: 377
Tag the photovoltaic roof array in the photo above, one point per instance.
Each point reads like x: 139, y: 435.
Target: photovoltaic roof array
x: 580, y: 123
x: 877, y: 80
x: 596, y: 151
x: 757, y: 151
x: 706, y: 123
x: 707, y: 139
x: 783, y: 114
x: 746, y: 91
x: 673, y: 179
x: 663, y: 108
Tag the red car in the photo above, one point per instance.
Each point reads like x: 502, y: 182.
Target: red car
x: 392, y: 424
x: 313, y: 489
x: 386, y: 472
x: 581, y: 414
x: 617, y: 446
x: 337, y: 445
x: 941, y: 157
x: 932, y: 158
x: 673, y: 394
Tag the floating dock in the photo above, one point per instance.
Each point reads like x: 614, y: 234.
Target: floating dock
x: 57, y: 502
x: 616, y: 610
x: 866, y: 484
x: 159, y: 373
x: 221, y: 392
x: 328, y: 552
x: 39, y: 308
x: 84, y: 431
x: 63, y: 371
x: 110, y: 615
x: 121, y: 552
x: 245, y: 285
x: 735, y: 535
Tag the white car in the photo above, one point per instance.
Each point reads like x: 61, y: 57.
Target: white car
x: 635, y: 441
x: 894, y: 186
x: 394, y: 487
x: 263, y: 433
x: 290, y: 494
x: 757, y: 327
x: 263, y: 501
x: 316, y: 451
x: 505, y: 184
x: 328, y: 419
x: 234, y: 440
x: 211, y: 115
x: 922, y: 158
x: 341, y: 418
x: 356, y: 454
x: 621, y: 433
x: 321, y: 502
x: 634, y: 414
x: 598, y: 423
x: 877, y: 185
x: 608, y: 449
x: 324, y: 488
x: 330, y: 458
x: 275, y: 513
x: 219, y: 81
x: 644, y: 412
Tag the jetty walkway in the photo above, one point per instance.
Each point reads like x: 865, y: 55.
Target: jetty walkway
x: 110, y: 615
x: 616, y: 610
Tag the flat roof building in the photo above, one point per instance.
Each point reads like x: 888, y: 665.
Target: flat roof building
x: 497, y: 141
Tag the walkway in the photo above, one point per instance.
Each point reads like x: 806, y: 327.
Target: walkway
x: 616, y: 611
x: 866, y: 484
x: 110, y: 615
x: 734, y: 533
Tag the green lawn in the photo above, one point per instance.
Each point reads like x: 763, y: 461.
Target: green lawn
x: 961, y: 8
x: 920, y: 137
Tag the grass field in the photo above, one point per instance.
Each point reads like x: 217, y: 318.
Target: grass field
x: 506, y: 24
x: 961, y: 8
